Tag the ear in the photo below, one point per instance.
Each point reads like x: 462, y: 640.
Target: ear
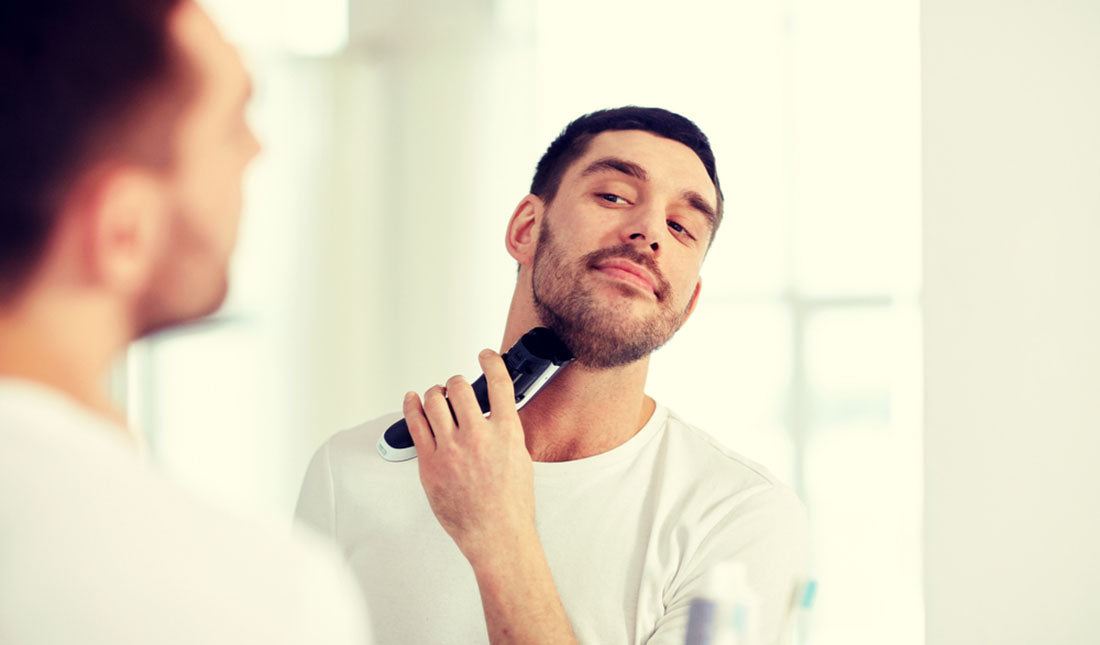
x: 521, y: 236
x: 694, y: 299
x: 127, y: 216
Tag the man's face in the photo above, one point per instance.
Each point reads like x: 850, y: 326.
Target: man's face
x: 214, y: 144
x: 616, y: 268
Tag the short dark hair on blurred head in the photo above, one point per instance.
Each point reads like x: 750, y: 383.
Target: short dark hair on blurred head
x: 574, y: 139
x: 80, y: 79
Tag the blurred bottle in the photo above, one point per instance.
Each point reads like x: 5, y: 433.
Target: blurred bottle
x: 727, y: 611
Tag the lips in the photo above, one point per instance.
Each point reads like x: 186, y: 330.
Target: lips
x: 628, y: 272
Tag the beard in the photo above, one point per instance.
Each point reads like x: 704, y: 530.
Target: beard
x: 600, y: 333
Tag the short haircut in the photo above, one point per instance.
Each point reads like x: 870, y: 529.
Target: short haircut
x: 573, y: 141
x: 81, y: 80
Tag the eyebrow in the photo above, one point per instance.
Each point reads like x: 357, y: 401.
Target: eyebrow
x: 693, y: 199
x: 617, y: 165
x: 697, y: 202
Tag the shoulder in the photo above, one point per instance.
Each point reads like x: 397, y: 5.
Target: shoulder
x: 728, y: 507
x: 170, y: 558
x: 719, y: 489
x: 352, y: 450
x: 710, y: 459
x: 358, y: 442
x: 349, y: 459
x: 258, y: 552
x: 347, y: 467
x: 724, y: 506
x: 266, y: 569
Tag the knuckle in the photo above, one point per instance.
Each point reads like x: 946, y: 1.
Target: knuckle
x: 497, y: 381
x: 433, y: 403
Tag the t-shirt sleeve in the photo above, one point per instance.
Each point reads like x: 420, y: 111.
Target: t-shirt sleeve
x: 767, y: 531
x: 316, y: 500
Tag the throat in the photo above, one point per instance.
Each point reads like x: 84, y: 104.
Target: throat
x: 556, y: 435
x: 553, y: 452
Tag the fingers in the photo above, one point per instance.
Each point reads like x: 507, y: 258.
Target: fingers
x: 439, y: 415
x: 464, y: 403
x: 418, y: 424
x: 502, y: 396
x: 447, y: 410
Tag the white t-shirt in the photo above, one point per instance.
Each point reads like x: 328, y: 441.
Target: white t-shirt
x: 629, y: 535
x: 96, y: 548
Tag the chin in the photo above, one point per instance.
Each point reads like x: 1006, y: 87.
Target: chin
x: 159, y: 313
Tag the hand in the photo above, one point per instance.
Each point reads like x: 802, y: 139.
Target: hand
x: 479, y: 479
x: 475, y: 470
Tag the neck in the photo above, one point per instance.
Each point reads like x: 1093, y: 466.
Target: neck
x: 62, y: 340
x: 583, y: 411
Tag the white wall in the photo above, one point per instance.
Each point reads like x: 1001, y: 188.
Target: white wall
x: 1012, y: 320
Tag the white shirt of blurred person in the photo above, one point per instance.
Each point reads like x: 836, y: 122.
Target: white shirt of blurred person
x: 594, y: 514
x: 124, y: 144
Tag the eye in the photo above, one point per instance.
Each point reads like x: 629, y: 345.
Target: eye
x: 676, y: 226
x: 612, y: 198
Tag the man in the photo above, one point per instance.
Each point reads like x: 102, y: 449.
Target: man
x: 593, y: 514
x: 122, y: 146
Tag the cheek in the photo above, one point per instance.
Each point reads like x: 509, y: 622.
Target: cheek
x: 683, y: 286
x: 585, y: 226
x: 209, y: 210
x: 212, y: 170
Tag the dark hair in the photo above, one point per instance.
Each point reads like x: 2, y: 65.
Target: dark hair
x: 79, y: 80
x: 574, y: 139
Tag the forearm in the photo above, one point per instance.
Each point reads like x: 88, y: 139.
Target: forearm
x: 519, y: 597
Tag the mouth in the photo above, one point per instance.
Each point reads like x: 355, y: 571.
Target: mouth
x: 630, y: 273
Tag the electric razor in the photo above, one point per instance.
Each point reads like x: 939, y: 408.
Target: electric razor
x: 535, y: 359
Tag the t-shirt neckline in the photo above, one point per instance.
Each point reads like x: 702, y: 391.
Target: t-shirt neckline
x: 549, y: 470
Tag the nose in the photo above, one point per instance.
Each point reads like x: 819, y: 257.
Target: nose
x: 643, y: 227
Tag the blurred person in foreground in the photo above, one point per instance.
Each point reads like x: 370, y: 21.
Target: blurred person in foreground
x: 593, y: 514
x: 123, y: 141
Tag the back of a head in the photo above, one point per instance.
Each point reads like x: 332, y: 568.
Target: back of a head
x: 78, y: 75
x: 572, y: 142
